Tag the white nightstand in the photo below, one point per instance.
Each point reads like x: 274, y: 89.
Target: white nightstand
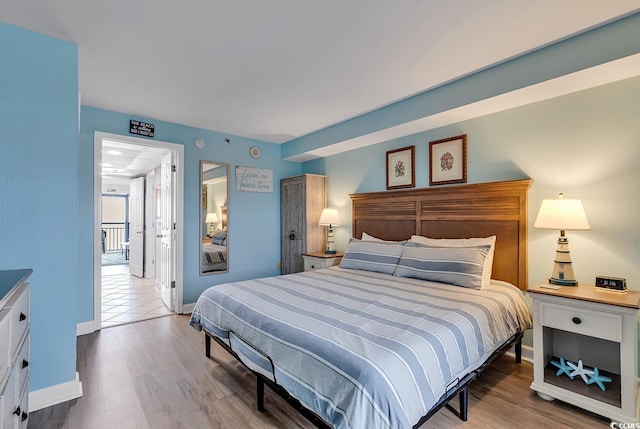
x: 598, y: 327
x: 313, y: 261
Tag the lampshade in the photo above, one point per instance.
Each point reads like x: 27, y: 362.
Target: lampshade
x: 211, y: 218
x: 561, y: 214
x: 329, y: 217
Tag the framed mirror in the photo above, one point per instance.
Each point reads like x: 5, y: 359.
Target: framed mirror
x: 214, y: 217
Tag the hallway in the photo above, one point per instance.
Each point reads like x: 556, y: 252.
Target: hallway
x: 126, y: 298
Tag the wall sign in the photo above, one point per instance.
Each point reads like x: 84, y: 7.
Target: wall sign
x: 249, y: 179
x: 141, y: 128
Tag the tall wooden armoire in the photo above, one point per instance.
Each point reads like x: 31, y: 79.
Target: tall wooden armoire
x: 302, y: 199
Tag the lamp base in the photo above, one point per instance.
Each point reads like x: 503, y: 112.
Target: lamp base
x: 563, y: 282
x: 330, y: 252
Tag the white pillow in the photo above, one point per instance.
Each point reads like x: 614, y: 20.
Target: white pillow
x: 464, y: 242
x: 367, y: 237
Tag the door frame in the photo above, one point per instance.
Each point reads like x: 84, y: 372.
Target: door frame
x: 98, y: 136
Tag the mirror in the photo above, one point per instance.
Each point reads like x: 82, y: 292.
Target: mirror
x: 214, y: 211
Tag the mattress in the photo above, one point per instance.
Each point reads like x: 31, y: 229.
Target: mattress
x: 359, y: 348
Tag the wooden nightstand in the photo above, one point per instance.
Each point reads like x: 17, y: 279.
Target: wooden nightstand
x: 598, y: 327
x: 313, y: 261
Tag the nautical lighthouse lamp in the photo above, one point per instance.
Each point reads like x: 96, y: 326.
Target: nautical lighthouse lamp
x: 563, y: 214
x: 329, y: 217
x: 211, y: 219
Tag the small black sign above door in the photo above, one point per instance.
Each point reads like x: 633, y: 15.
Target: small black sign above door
x: 141, y: 128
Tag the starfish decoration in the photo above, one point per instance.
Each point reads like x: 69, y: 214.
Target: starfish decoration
x: 564, y: 368
x: 580, y: 370
x: 598, y: 379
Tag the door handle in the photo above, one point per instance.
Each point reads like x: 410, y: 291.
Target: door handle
x: 292, y: 235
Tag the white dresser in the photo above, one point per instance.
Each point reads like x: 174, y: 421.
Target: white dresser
x: 598, y: 327
x: 14, y: 348
x: 314, y: 261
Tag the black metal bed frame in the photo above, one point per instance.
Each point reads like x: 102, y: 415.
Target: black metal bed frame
x: 461, y: 388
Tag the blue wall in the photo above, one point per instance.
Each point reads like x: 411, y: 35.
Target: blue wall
x: 584, y: 144
x: 39, y: 190
x: 254, y: 218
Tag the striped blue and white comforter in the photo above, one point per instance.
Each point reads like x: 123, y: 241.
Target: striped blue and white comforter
x: 362, y: 349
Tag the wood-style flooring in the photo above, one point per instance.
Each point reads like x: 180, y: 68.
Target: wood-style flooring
x: 154, y: 374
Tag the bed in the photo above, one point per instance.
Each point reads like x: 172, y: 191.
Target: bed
x: 381, y: 344
x: 214, y: 257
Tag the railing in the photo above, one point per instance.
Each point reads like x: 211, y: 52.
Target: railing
x: 113, y: 234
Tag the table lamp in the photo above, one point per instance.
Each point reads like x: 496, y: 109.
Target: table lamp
x: 211, y: 219
x: 329, y: 217
x: 563, y: 214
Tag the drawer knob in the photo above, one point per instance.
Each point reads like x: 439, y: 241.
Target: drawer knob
x: 25, y: 363
x: 22, y: 317
x: 17, y: 411
x: 576, y: 320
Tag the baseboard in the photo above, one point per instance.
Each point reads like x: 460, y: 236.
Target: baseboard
x: 188, y: 308
x: 57, y: 394
x: 527, y: 353
x: 84, y: 328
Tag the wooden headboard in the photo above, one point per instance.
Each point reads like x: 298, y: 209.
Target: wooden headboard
x: 458, y: 211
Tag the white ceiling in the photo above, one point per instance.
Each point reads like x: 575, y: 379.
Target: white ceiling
x: 275, y: 70
x: 122, y: 161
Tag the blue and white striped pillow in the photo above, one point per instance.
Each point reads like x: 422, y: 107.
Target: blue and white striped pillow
x: 460, y: 266
x: 379, y: 256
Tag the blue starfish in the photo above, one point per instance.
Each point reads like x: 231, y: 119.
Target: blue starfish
x: 564, y: 368
x: 598, y: 379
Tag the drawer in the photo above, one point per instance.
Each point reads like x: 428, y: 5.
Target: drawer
x: 23, y: 418
x: 9, y: 402
x: 19, y: 317
x: 583, y: 321
x: 22, y: 368
x: 312, y: 264
x: 5, y: 352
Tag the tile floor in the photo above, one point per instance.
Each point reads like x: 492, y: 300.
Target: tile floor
x: 127, y: 298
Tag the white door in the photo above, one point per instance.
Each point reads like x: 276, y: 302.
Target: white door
x: 150, y: 226
x: 136, y: 227
x: 157, y: 222
x: 167, y: 231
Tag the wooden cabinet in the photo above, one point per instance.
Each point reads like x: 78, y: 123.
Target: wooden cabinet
x: 14, y: 349
x: 314, y: 261
x: 302, y: 199
x: 597, y: 327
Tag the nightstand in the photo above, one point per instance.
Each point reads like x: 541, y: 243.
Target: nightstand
x: 598, y: 327
x: 313, y: 261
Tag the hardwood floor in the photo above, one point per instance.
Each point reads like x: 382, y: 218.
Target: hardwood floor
x: 153, y: 374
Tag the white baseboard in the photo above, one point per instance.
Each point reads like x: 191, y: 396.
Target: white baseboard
x: 527, y: 353
x: 188, y: 308
x: 57, y: 394
x: 84, y: 328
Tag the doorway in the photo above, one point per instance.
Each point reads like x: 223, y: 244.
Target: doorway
x: 113, y: 283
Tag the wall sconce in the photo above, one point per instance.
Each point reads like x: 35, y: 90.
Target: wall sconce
x: 211, y: 219
x: 563, y: 214
x: 330, y: 218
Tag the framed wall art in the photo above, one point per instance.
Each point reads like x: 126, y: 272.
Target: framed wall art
x: 401, y: 168
x: 448, y: 160
x: 204, y: 197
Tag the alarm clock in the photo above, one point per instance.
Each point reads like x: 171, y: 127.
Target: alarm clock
x: 611, y: 283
